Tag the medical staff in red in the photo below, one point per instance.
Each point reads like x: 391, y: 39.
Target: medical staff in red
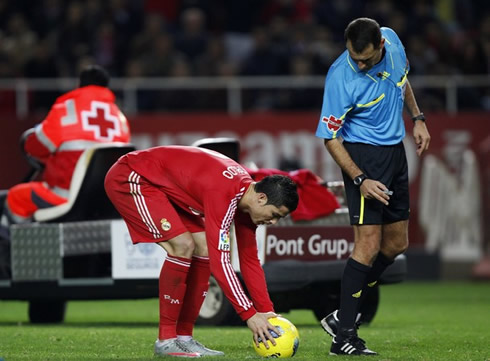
x: 78, y: 119
x: 185, y: 199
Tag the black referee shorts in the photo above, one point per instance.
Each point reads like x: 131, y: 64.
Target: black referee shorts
x: 387, y: 164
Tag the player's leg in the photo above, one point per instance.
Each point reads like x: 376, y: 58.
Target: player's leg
x: 357, y: 268
x: 366, y: 218
x: 172, y: 289
x: 394, y: 240
x: 156, y: 209
x: 151, y: 217
x: 197, y: 288
x: 342, y: 323
x: 173, y: 282
x: 396, y: 214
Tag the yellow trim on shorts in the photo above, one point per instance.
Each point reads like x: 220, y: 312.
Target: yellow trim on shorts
x: 361, y: 214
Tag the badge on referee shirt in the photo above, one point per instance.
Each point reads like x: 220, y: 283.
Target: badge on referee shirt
x: 165, y: 224
x: 333, y: 124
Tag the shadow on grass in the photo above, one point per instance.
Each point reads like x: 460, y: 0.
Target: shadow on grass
x: 104, y: 324
x: 82, y: 324
x: 126, y: 324
x: 153, y: 358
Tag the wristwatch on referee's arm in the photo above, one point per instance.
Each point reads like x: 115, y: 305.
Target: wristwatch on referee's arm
x: 359, y: 179
x: 421, y: 117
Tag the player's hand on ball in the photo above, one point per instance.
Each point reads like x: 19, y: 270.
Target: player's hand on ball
x: 287, y: 340
x: 260, y: 327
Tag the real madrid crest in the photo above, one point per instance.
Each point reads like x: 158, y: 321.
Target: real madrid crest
x: 165, y: 224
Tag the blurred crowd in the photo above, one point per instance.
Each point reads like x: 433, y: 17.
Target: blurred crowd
x: 175, y: 38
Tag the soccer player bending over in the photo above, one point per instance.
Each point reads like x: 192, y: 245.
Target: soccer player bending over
x: 185, y: 199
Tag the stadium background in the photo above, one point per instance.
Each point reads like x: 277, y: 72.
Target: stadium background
x: 168, y: 59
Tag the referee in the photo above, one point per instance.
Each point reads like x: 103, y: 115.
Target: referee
x: 365, y: 91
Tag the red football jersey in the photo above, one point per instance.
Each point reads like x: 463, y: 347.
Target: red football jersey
x: 76, y: 121
x: 205, y: 182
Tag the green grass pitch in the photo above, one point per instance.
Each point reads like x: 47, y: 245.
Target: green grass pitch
x: 415, y: 321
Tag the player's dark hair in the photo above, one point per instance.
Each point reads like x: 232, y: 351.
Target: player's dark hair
x: 361, y: 32
x: 280, y: 191
x: 94, y: 75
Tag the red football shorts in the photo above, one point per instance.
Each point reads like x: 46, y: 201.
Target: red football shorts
x: 146, y: 209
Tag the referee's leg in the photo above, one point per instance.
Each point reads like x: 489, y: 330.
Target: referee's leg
x: 394, y: 240
x: 366, y: 247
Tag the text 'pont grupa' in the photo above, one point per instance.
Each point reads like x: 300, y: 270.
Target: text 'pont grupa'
x: 314, y: 245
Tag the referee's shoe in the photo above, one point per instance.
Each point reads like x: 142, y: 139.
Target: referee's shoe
x: 348, y: 343
x: 331, y: 323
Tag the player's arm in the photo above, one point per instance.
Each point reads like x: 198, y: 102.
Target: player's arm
x: 370, y: 188
x: 218, y: 242
x: 420, y: 132
x: 222, y: 270
x: 254, y: 277
x: 250, y: 267
x: 218, y: 217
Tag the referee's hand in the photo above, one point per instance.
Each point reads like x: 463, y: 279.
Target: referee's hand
x: 421, y: 136
x: 373, y: 189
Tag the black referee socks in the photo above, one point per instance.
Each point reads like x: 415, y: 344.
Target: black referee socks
x: 353, y: 281
x: 380, y: 264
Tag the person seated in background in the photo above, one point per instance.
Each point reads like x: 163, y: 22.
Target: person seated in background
x: 78, y: 120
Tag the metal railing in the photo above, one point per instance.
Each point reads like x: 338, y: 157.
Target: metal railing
x: 233, y: 86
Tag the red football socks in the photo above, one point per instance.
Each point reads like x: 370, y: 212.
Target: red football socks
x: 197, y: 287
x: 172, y: 288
